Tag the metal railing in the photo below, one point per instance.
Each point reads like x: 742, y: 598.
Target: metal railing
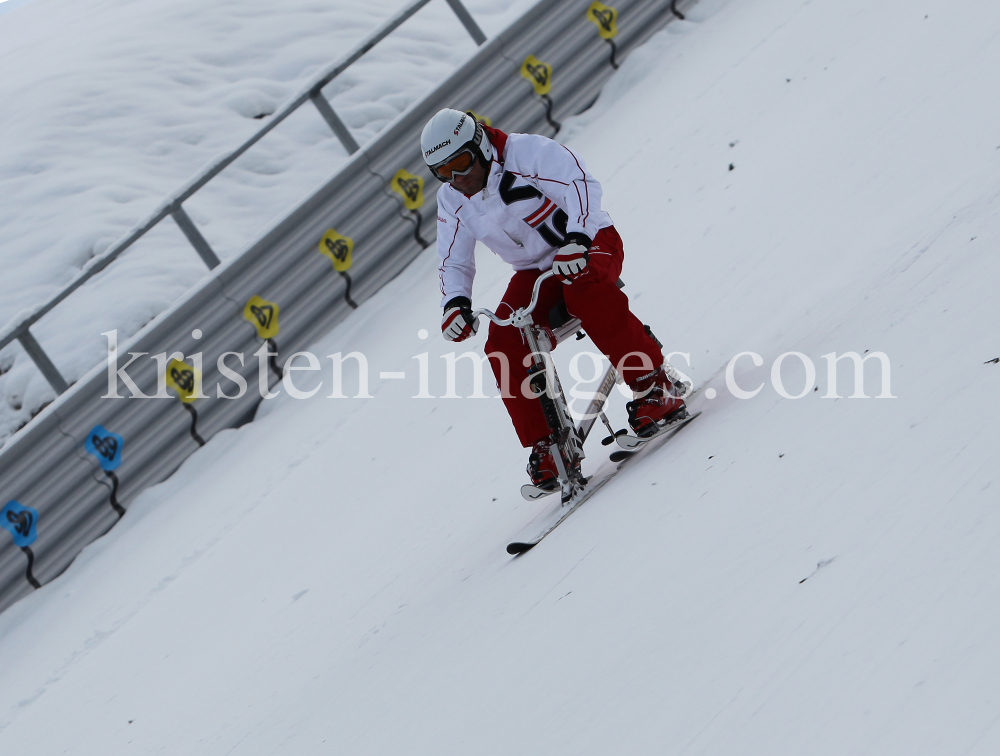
x: 174, y: 205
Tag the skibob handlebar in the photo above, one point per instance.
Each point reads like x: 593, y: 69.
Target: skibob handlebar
x: 519, y: 315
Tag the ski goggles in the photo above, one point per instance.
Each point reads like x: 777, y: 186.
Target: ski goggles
x: 458, y: 165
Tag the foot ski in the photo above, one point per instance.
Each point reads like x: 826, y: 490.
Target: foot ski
x: 631, y: 443
x: 533, y: 493
x: 554, y: 516
x: 549, y: 520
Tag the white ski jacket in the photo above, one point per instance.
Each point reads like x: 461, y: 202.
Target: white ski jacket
x: 537, y: 192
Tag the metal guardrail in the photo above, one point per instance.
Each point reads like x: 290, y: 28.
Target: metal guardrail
x: 174, y: 206
x: 68, y: 476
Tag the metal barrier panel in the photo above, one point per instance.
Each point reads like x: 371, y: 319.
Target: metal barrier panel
x: 174, y: 206
x: 69, y: 475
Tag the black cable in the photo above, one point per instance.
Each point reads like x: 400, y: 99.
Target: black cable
x: 347, y: 291
x: 614, y: 50
x: 418, y: 220
x: 31, y: 563
x: 194, y: 423
x: 272, y: 360
x: 548, y: 114
x: 114, y: 494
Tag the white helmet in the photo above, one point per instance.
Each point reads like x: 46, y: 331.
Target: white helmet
x: 450, y: 132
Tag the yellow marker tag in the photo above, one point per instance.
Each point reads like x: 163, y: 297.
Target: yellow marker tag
x: 538, y: 73
x: 481, y: 119
x: 338, y: 248
x: 409, y: 187
x: 183, y: 379
x: 264, y: 316
x: 606, y: 19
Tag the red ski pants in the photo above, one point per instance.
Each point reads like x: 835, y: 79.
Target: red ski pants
x: 603, y: 310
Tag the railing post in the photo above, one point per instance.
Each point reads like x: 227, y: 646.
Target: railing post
x: 42, y: 361
x: 467, y: 21
x: 333, y: 121
x: 194, y: 236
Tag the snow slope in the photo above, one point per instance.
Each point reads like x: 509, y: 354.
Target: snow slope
x: 331, y: 577
x: 6, y: 6
x: 110, y: 106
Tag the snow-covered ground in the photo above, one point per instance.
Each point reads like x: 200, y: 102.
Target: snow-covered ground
x: 109, y: 106
x: 6, y: 6
x: 807, y: 176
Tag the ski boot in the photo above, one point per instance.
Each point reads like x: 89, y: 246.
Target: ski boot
x: 656, y: 403
x: 542, y: 466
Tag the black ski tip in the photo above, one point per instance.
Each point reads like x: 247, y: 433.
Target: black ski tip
x: 519, y: 548
x: 620, y: 455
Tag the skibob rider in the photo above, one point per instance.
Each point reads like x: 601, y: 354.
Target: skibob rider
x: 532, y: 201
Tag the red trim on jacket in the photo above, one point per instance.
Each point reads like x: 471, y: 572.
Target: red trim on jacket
x: 499, y: 141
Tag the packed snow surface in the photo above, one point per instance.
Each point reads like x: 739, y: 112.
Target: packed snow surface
x: 8, y: 5
x: 111, y: 106
x: 786, y: 576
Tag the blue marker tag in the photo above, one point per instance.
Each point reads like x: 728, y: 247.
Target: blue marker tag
x: 106, y: 446
x: 21, y: 521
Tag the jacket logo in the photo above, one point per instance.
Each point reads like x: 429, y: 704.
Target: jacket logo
x: 445, y: 143
x: 509, y: 194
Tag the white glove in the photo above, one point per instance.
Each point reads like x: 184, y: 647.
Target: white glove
x: 570, y: 262
x: 457, y: 324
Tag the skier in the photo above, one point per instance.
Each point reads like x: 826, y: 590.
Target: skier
x: 532, y: 201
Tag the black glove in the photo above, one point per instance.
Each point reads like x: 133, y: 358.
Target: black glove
x: 575, y: 237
